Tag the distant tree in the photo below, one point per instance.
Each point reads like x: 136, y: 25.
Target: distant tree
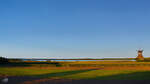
x: 3, y: 60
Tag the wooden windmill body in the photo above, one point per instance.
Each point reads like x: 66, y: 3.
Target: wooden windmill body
x: 140, y: 55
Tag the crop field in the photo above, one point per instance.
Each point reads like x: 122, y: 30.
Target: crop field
x: 33, y: 72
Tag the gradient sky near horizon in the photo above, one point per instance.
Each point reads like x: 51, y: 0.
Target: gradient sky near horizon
x: 74, y: 28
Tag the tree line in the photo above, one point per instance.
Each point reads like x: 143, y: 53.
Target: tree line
x: 3, y: 60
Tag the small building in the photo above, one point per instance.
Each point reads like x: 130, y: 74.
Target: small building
x: 140, y: 56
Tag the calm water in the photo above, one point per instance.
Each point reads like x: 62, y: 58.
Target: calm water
x: 92, y: 60
x: 79, y: 60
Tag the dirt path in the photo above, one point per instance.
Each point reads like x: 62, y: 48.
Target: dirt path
x: 34, y: 80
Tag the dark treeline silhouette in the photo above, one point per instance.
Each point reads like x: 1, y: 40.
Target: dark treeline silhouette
x: 3, y: 60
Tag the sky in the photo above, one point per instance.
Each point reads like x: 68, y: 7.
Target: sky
x: 74, y: 28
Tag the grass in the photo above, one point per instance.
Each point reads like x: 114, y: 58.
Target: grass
x: 115, y: 71
x: 20, y: 71
x: 112, y: 75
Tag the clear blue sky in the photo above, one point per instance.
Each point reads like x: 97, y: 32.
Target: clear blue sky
x: 74, y: 28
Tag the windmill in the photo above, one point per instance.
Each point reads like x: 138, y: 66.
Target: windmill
x: 140, y: 56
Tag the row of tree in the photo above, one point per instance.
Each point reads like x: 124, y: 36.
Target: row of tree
x: 3, y: 60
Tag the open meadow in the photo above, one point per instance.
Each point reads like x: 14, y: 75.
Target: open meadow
x: 38, y: 72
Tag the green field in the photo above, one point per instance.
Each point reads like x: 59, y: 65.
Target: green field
x: 78, y: 74
x: 80, y: 70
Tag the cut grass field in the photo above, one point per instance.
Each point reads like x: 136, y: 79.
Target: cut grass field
x: 77, y: 74
x: 138, y: 71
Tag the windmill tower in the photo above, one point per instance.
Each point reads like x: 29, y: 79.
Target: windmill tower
x: 140, y: 55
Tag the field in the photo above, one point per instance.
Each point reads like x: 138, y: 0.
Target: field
x: 38, y: 72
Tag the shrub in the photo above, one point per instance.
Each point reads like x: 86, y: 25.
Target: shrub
x: 3, y: 60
